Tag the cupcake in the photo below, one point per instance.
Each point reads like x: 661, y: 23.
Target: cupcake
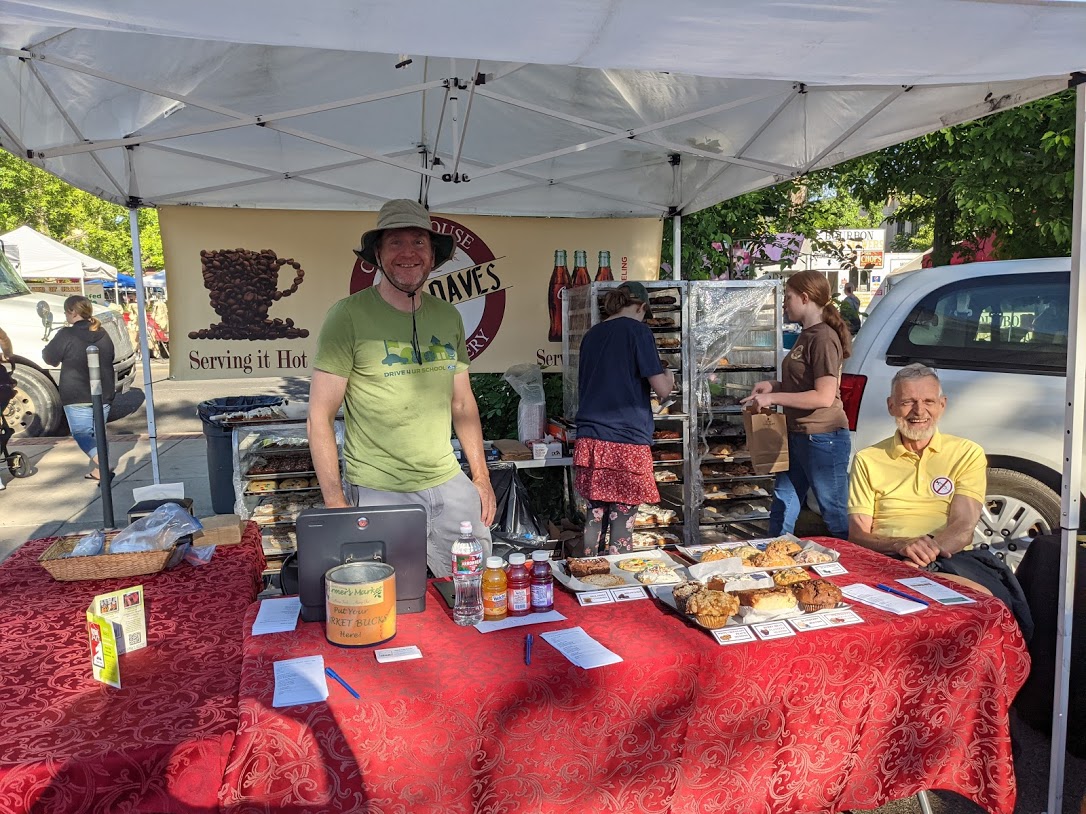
x: 790, y: 576
x: 816, y: 595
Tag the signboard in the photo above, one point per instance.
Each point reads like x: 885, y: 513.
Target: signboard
x: 865, y: 247
x: 251, y: 287
x: 65, y: 286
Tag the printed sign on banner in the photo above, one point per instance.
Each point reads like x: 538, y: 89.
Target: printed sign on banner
x: 258, y: 283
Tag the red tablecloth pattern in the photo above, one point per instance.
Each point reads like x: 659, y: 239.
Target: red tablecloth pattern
x: 825, y: 721
x: 158, y: 744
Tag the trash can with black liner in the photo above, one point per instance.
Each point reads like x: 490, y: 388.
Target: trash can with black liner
x: 220, y: 458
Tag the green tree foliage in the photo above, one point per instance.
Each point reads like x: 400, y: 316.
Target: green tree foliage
x: 31, y: 196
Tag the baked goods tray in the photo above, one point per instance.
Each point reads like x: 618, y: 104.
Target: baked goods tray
x: 734, y: 565
x: 281, y: 491
x: 678, y: 462
x: 622, y: 576
x: 656, y: 417
x: 746, y: 616
x: 729, y: 478
x: 725, y: 459
x: 722, y: 496
x: 278, y: 475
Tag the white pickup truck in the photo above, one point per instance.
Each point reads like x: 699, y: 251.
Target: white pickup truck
x: 30, y: 321
x: 997, y: 334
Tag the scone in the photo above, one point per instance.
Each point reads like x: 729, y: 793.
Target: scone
x: 603, y: 580
x: 812, y: 556
x: 744, y: 552
x: 767, y: 560
x: 713, y: 609
x: 683, y: 592
x: 768, y: 600
x: 715, y: 553
x: 816, y: 595
x: 783, y: 546
x: 658, y: 575
x: 583, y: 566
x: 790, y: 576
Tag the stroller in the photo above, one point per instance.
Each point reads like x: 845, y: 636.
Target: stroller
x: 17, y: 462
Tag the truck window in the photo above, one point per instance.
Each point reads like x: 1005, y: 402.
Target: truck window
x: 11, y: 284
x: 1010, y: 323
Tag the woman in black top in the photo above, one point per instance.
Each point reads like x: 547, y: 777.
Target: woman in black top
x: 69, y: 350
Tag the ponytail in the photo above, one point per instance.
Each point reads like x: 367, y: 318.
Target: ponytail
x: 832, y: 317
x: 616, y: 299
x: 82, y: 308
x: 95, y: 323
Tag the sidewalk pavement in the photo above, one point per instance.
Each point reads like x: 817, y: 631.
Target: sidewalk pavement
x: 57, y: 500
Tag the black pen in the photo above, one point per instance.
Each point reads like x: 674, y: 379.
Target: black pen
x: 902, y: 594
x: 528, y: 649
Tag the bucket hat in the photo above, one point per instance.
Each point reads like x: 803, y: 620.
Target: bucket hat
x: 403, y: 213
x: 638, y: 292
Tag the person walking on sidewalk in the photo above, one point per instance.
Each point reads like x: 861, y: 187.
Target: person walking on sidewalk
x: 68, y: 348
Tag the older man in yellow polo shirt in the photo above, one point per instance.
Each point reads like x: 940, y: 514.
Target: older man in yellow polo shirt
x: 918, y: 494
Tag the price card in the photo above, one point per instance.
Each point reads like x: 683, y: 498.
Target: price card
x: 839, y: 618
x: 595, y: 598
x: 806, y: 623
x: 629, y: 594
x: 733, y: 635
x: 773, y: 630
x: 829, y: 569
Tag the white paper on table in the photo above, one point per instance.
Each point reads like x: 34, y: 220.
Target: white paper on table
x: 520, y: 621
x: 277, y: 615
x: 881, y: 599
x: 159, y: 491
x: 937, y: 591
x: 580, y: 648
x: 299, y: 681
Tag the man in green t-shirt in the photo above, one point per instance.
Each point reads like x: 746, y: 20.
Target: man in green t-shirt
x: 395, y: 358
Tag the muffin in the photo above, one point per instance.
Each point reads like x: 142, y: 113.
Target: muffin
x: 712, y: 609
x: 714, y: 554
x: 783, y: 546
x: 683, y: 592
x: 767, y: 560
x: 816, y: 595
x: 790, y: 576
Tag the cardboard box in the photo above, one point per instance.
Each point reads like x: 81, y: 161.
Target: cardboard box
x: 555, y: 449
x: 222, y: 529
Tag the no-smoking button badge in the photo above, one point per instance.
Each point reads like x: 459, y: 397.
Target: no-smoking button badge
x: 942, y: 486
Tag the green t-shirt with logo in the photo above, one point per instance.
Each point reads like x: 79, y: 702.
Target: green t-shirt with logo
x: 397, y: 413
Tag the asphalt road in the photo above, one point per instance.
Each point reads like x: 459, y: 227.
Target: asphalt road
x: 176, y: 401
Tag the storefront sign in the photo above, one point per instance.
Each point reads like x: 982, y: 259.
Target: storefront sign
x: 864, y: 247
x: 251, y: 287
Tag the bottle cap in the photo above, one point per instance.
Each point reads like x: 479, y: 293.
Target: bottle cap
x: 516, y: 559
x: 465, y: 528
x: 541, y: 555
x: 494, y: 562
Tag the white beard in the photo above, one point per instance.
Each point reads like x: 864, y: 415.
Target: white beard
x: 914, y: 433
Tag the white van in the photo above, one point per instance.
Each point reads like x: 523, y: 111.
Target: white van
x: 30, y: 321
x: 997, y: 334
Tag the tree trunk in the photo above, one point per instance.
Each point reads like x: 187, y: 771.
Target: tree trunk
x: 946, y: 214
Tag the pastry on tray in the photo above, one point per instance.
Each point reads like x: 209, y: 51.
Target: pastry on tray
x: 667, y: 435
x: 634, y: 564
x: 713, y: 609
x: 658, y: 574
x: 663, y: 300
x: 790, y: 576
x: 665, y: 476
x: 294, y: 483
x: 812, y: 556
x: 767, y: 560
x: 262, y: 485
x: 583, y: 566
x: 668, y: 341
x: 684, y: 591
x: 816, y: 595
x: 768, y: 600
x: 783, y: 545
x: 603, y: 580
x: 666, y: 455
x: 660, y: 322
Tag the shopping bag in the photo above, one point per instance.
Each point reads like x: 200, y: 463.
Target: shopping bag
x: 767, y: 441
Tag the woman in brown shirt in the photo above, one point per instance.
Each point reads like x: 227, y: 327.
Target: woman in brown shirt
x: 819, y: 444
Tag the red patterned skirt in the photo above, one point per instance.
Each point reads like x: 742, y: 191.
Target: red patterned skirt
x: 615, y: 473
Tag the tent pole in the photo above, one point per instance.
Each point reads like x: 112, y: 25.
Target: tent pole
x: 141, y: 315
x: 1072, y: 467
x: 676, y: 246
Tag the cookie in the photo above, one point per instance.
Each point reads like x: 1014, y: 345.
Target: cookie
x: 603, y: 580
x: 634, y: 564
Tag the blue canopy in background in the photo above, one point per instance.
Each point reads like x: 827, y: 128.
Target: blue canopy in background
x: 125, y: 280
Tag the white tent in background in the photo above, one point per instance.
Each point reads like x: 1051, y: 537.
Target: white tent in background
x: 40, y: 257
x: 574, y: 108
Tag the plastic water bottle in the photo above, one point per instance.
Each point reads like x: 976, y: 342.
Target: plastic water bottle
x: 467, y: 569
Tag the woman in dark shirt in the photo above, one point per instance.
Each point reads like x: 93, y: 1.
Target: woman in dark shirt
x: 612, y: 459
x: 69, y: 350
x: 819, y: 444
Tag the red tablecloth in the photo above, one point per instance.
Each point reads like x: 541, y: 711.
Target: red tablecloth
x: 158, y: 744
x: 828, y: 720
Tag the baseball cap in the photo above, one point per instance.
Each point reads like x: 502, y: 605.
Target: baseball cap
x: 638, y: 292
x: 403, y: 213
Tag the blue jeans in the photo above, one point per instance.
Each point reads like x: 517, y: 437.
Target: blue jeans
x: 81, y: 423
x: 818, y: 462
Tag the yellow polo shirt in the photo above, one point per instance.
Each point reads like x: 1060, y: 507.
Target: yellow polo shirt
x: 907, y: 495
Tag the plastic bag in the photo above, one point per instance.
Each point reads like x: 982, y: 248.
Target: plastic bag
x: 199, y: 555
x: 90, y: 545
x: 514, y: 519
x: 527, y: 381
x: 157, y: 531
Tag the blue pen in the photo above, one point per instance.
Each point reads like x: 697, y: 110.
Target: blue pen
x: 333, y: 674
x: 528, y: 649
x: 902, y: 594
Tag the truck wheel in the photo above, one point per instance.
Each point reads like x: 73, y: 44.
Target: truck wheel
x: 1016, y: 509
x: 35, y: 409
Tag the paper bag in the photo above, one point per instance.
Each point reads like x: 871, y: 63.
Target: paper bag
x: 767, y: 441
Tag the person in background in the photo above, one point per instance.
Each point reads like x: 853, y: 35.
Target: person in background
x: 917, y: 495
x: 68, y: 349
x: 395, y: 358
x: 132, y: 322
x: 7, y: 383
x: 850, y: 309
x: 819, y: 444
x: 612, y: 458
x: 6, y: 351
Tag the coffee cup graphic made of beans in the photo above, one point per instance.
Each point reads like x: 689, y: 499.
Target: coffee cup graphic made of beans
x: 243, y: 285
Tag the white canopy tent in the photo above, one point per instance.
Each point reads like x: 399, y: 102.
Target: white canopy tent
x: 583, y: 108
x: 41, y: 257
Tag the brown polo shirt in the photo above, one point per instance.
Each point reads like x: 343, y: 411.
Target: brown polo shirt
x: 817, y: 353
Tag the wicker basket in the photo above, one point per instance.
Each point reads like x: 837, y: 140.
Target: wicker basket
x: 106, y: 565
